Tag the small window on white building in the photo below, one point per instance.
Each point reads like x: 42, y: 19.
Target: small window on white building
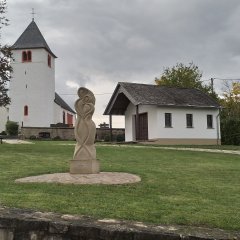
x: 189, y: 120
x: 209, y: 121
x: 168, y: 120
x: 26, y: 110
x: 26, y: 56
x: 64, y: 117
x: 49, y: 61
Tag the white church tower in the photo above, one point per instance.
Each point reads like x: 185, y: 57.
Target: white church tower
x: 32, y: 87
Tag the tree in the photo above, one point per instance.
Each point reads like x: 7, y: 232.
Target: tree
x: 230, y: 122
x: 184, y: 76
x: 12, y: 128
x: 5, y: 59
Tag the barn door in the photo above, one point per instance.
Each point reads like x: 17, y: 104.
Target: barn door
x: 143, y: 126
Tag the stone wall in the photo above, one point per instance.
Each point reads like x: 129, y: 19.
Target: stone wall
x: 67, y: 133
x: 63, y: 133
x: 16, y: 224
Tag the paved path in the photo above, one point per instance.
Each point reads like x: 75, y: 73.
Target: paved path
x: 16, y: 141
x: 237, y: 152
x: 178, y: 148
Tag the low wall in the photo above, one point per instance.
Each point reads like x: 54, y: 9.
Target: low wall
x: 67, y: 133
x: 17, y: 224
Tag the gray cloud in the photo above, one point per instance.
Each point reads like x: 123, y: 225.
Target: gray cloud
x: 101, y: 42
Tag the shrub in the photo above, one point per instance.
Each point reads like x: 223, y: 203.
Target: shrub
x: 120, y: 138
x: 230, y: 131
x: 107, y: 138
x: 32, y: 137
x: 12, y: 128
x: 57, y: 138
x: 3, y: 133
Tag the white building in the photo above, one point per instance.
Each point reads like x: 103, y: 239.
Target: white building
x: 167, y: 115
x: 34, y: 102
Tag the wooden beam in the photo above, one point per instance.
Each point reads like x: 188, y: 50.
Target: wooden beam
x: 110, y: 126
x: 137, y: 123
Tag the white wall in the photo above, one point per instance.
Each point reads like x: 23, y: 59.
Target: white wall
x: 3, y: 118
x: 33, y: 84
x: 156, y: 123
x: 179, y: 129
x: 130, y: 123
x: 58, y: 114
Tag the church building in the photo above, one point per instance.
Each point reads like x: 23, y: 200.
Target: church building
x: 34, y: 102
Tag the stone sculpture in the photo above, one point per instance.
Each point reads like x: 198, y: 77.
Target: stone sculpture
x: 84, y: 158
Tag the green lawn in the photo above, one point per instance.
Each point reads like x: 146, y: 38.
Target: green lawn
x: 177, y: 187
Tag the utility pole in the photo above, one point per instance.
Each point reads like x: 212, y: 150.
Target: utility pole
x: 212, y: 84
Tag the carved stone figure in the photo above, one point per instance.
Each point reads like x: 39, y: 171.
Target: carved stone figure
x: 84, y: 158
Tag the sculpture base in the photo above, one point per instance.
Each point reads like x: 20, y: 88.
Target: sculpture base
x: 84, y: 166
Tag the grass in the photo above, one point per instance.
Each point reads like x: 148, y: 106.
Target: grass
x: 177, y: 187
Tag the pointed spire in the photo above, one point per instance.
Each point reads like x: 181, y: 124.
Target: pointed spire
x: 32, y: 38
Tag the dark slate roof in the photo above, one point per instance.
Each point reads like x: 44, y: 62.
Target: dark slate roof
x: 59, y: 101
x: 143, y: 94
x: 32, y: 38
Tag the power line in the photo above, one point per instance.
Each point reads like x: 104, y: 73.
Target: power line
x: 228, y: 79
x: 74, y: 94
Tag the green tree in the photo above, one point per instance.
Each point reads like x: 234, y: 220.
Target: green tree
x: 230, y: 122
x: 5, y: 59
x: 184, y: 76
x: 12, y: 128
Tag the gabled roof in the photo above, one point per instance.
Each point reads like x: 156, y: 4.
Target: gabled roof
x: 59, y: 101
x: 32, y: 38
x: 143, y: 94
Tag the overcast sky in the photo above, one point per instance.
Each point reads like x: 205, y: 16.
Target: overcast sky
x: 101, y: 42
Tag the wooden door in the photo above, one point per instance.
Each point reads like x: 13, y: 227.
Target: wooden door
x: 143, y: 126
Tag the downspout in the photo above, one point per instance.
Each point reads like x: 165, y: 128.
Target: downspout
x: 218, y: 132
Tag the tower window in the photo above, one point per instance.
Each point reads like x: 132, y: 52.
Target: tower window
x: 29, y: 54
x: 25, y: 110
x: 49, y: 61
x: 26, y: 56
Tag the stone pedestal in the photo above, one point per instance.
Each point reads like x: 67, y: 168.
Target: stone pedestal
x: 84, y: 166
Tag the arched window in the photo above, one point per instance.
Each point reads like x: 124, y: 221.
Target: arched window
x: 64, y: 117
x: 26, y: 56
x: 26, y: 110
x: 49, y: 61
x: 29, y: 56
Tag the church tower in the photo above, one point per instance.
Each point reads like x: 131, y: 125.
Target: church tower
x: 32, y: 87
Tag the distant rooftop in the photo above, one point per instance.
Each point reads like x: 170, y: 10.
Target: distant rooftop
x: 32, y: 38
x: 59, y: 101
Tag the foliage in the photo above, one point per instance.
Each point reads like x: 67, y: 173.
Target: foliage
x: 120, y: 138
x: 177, y: 187
x: 230, y: 131
x: 5, y: 58
x: 56, y: 138
x: 32, y: 137
x: 230, y: 123
x: 184, y: 76
x: 3, y: 133
x: 12, y: 128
